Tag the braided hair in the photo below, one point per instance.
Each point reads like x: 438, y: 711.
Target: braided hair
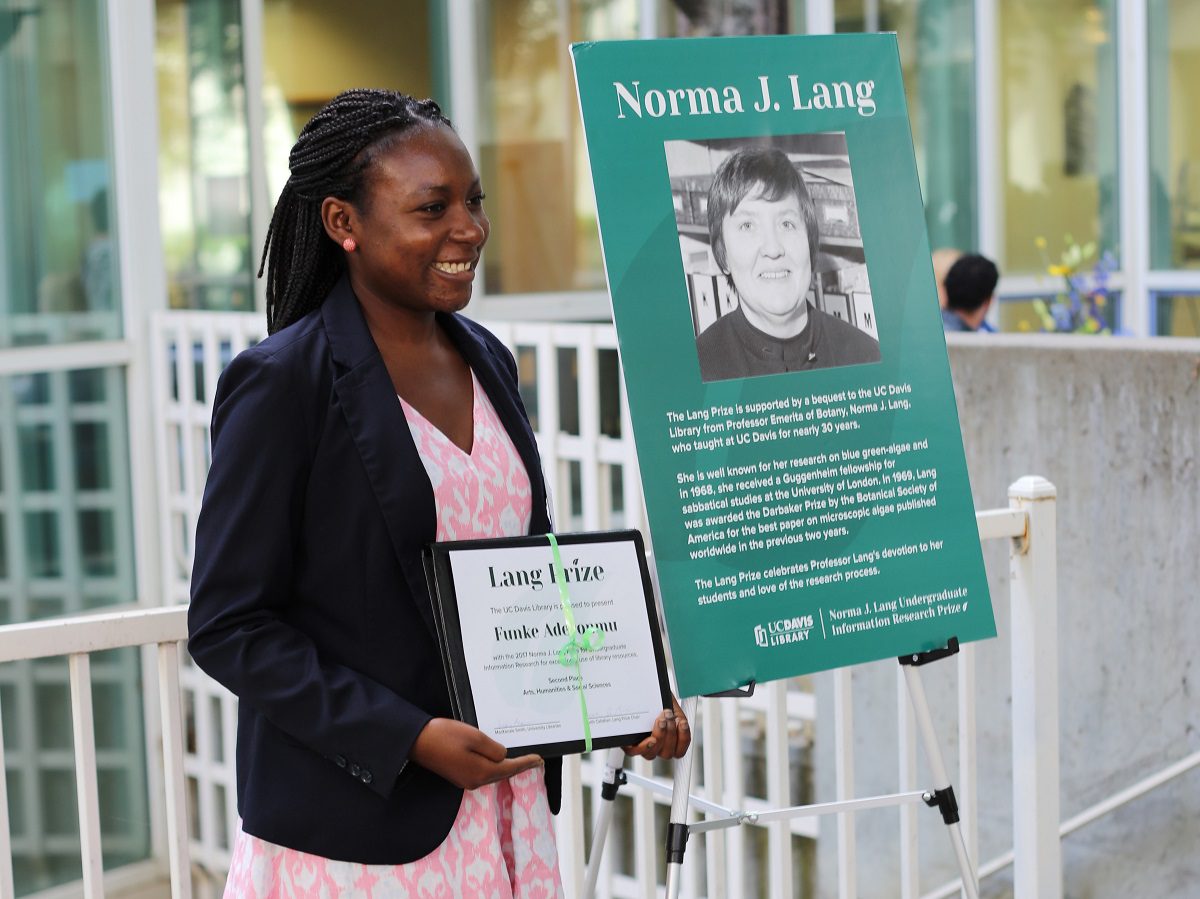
x: 330, y: 159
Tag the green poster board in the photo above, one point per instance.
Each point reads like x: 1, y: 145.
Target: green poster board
x: 782, y: 345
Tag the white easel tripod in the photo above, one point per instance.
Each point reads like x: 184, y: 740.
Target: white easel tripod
x: 941, y: 797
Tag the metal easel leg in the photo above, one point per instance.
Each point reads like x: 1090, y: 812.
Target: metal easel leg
x: 614, y: 777
x: 943, y: 795
x: 677, y: 829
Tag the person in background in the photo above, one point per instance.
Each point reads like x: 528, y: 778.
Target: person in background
x: 970, y: 287
x: 96, y: 272
x: 372, y: 421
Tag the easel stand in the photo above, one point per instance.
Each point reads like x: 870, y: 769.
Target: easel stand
x: 678, y: 831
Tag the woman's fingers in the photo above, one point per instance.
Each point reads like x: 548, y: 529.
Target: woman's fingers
x: 490, y: 749
x: 510, y: 767
x: 465, y: 755
x: 683, y: 728
x: 645, y: 749
x: 669, y: 738
x: 487, y: 771
x: 668, y: 734
x: 469, y: 758
x: 649, y: 747
x: 498, y: 765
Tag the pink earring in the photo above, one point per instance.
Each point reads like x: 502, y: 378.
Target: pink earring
x: 349, y: 245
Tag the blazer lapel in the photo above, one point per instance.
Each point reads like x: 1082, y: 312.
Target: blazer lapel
x: 389, y: 455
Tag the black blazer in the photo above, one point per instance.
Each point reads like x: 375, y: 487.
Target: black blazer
x: 308, y: 596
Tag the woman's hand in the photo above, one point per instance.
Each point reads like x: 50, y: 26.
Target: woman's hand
x: 670, y: 738
x: 464, y: 755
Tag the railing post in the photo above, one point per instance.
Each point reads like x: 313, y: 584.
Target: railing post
x: 779, y: 834
x: 843, y: 740
x: 87, y: 787
x: 178, y: 847
x: 7, y: 890
x: 1036, y: 843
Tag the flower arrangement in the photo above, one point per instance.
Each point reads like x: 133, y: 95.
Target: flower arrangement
x: 1079, y: 308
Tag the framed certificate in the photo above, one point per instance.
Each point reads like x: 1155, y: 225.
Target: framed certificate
x: 535, y: 670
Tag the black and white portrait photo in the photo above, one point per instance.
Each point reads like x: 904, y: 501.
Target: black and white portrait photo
x: 772, y: 253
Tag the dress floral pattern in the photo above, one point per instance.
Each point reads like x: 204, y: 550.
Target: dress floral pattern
x: 501, y: 845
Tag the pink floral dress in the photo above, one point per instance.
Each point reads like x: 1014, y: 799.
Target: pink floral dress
x: 501, y: 845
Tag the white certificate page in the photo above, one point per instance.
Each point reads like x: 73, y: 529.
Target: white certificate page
x: 513, y: 631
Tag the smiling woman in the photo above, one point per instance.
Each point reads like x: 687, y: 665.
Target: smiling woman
x: 319, y: 630
x: 373, y: 421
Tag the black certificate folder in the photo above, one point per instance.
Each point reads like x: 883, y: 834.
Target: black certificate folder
x: 537, y: 671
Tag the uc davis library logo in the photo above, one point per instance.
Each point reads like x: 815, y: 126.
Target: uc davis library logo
x: 783, y: 630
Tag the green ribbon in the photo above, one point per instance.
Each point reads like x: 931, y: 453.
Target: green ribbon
x: 568, y: 656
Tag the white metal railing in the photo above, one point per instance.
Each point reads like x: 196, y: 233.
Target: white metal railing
x: 188, y: 353
x: 162, y: 629
x: 572, y: 387
x: 754, y: 753
x: 77, y: 638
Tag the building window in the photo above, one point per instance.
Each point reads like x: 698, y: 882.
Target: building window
x: 66, y: 529
x: 1027, y: 315
x: 1058, y: 127
x: 936, y: 41
x: 531, y: 144
x: 66, y: 547
x: 313, y: 50
x: 936, y: 53
x: 1177, y: 314
x: 58, y: 275
x: 705, y: 18
x: 1174, y: 71
x: 204, y: 160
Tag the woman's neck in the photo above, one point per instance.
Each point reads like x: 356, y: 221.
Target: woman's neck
x: 395, y: 325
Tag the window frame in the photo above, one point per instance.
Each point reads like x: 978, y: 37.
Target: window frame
x: 1129, y: 24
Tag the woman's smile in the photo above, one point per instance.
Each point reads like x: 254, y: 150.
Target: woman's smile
x: 462, y: 270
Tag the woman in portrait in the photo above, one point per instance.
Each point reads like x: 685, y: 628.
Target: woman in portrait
x: 374, y: 420
x: 762, y: 227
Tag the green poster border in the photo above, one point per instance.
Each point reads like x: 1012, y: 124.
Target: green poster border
x: 653, y: 321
